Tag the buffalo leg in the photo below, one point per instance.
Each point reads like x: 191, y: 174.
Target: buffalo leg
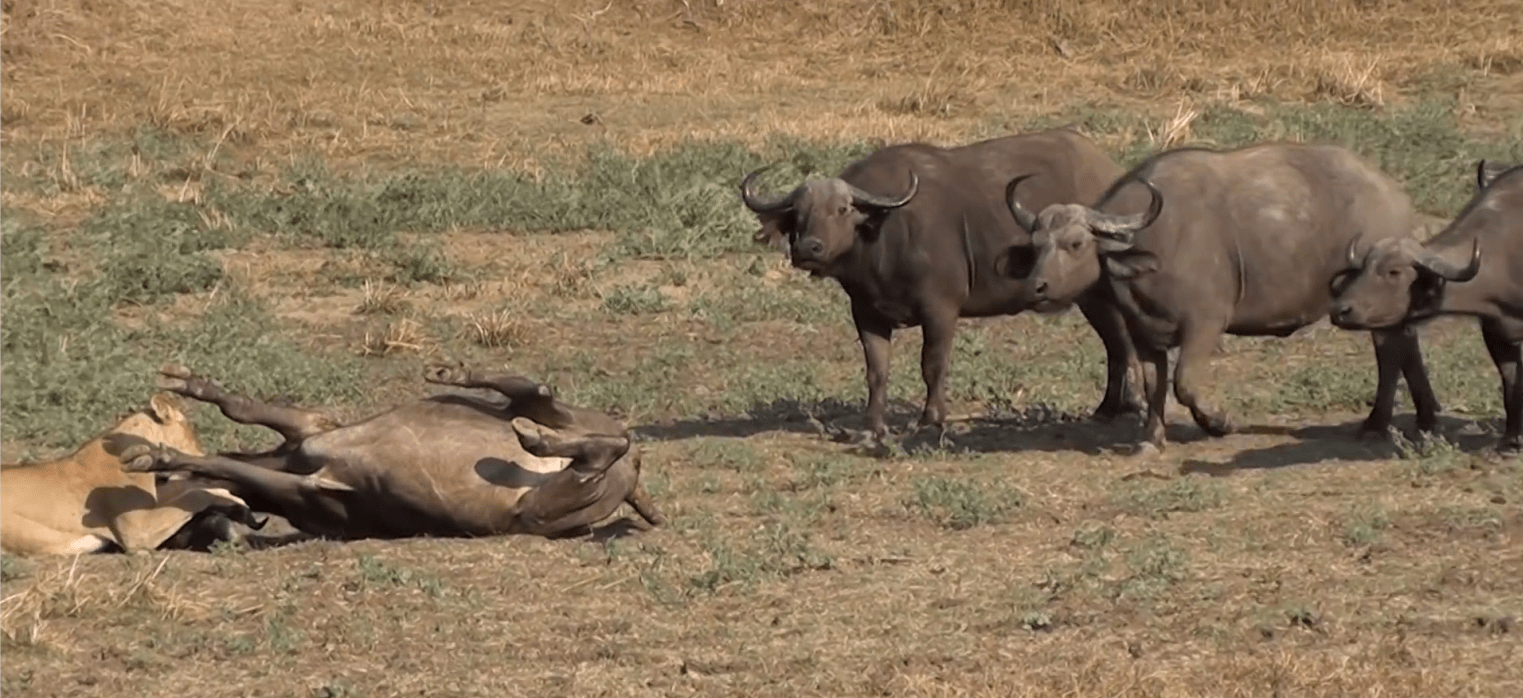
x: 939, y: 330
x: 1415, y: 371
x: 875, y: 335
x: 1390, y: 358
x: 530, y: 398
x: 307, y: 501
x: 1155, y: 381
x: 293, y: 423
x: 1120, y: 398
x: 1189, y: 377
x: 578, y: 495
x: 1508, y: 357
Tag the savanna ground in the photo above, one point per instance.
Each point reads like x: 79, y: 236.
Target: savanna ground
x: 309, y: 201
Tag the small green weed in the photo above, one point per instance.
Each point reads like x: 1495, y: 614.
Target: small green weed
x: 962, y: 504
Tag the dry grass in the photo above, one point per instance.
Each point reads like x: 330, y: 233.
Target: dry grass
x: 506, y: 83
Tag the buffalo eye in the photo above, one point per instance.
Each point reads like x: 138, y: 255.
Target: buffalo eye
x: 1393, y: 272
x: 1074, y: 245
x: 842, y: 211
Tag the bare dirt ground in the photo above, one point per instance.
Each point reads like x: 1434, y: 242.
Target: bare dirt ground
x: 1031, y: 557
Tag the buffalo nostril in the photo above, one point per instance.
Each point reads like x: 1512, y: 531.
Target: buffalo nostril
x: 1041, y: 288
x: 813, y: 247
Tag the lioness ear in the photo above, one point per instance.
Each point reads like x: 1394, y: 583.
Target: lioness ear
x: 163, y: 408
x: 1131, y: 264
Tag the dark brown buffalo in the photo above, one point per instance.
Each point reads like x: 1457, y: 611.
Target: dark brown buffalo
x: 446, y: 465
x: 917, y: 234
x: 1474, y: 267
x: 1195, y: 243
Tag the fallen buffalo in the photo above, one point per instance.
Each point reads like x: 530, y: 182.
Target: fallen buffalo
x: 445, y: 465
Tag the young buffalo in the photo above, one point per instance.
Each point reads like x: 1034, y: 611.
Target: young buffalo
x: 1399, y: 282
x: 446, y: 465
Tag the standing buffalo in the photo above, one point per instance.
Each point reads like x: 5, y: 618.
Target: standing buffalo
x: 1397, y: 282
x: 917, y: 234
x: 448, y: 465
x: 1246, y: 245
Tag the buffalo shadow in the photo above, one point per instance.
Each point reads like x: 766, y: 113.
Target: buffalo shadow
x: 1321, y: 442
x: 1037, y: 427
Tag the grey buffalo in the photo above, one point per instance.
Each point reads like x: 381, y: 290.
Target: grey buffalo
x: 1194, y: 243
x: 916, y: 235
x: 1474, y: 267
x: 446, y: 465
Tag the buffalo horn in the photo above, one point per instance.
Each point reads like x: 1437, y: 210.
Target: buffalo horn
x: 862, y: 198
x: 1128, y: 225
x: 1354, y: 261
x: 1481, y: 180
x: 1452, y: 272
x: 759, y: 203
x: 1026, y: 219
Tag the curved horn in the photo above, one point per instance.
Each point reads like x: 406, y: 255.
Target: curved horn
x: 1354, y: 260
x: 1450, y: 271
x: 862, y: 198
x: 1024, y: 218
x: 1480, y: 174
x: 1129, y: 225
x: 761, y: 204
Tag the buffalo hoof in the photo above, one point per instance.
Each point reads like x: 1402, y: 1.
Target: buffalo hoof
x: 536, y: 438
x: 1375, y: 431
x: 1510, y: 448
x: 174, y: 377
x: 446, y: 374
x: 1216, y: 425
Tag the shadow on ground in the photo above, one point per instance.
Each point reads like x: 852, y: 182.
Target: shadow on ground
x: 1322, y: 442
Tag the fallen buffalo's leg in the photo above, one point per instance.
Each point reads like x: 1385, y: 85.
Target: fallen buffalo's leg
x: 315, y: 499
x: 640, y: 501
x: 530, y: 398
x: 587, y: 491
x: 293, y: 423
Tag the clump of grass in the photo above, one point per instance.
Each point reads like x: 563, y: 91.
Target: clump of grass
x: 1155, y: 564
x: 1365, y: 526
x: 776, y: 550
x: 636, y: 300
x: 382, y: 298
x: 399, y: 336
x: 1431, y: 456
x: 375, y: 572
x: 498, y: 329
x: 962, y: 504
x: 1183, y: 494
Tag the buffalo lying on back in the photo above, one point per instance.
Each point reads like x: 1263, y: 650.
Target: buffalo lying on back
x: 1195, y: 243
x: 446, y: 465
x: 1474, y: 266
x: 916, y: 235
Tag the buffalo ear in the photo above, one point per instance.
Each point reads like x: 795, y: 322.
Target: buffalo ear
x: 1016, y: 262
x: 1131, y: 264
x: 1426, y: 294
x: 1341, y: 281
x: 775, y: 229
